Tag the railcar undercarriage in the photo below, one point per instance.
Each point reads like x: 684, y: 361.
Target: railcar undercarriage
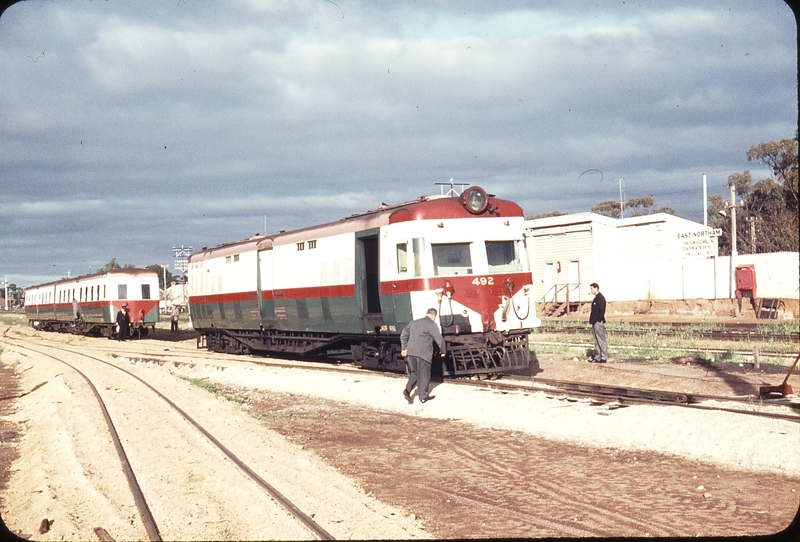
x: 80, y: 327
x: 490, y: 353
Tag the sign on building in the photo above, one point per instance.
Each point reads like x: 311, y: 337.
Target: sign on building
x: 700, y: 244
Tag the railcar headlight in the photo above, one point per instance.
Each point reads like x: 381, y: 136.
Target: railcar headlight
x: 475, y: 200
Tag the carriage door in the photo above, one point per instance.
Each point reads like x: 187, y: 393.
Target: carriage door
x: 368, y: 281
x: 264, y: 309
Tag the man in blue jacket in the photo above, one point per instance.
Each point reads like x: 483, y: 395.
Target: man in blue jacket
x: 416, y: 342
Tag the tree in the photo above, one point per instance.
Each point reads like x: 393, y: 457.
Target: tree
x: 633, y: 207
x: 114, y: 265
x: 160, y: 270
x: 781, y: 157
x: 767, y: 220
x: 608, y: 207
x: 646, y: 206
x: 546, y: 215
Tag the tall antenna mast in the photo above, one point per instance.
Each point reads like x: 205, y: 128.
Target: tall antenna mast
x: 452, y: 192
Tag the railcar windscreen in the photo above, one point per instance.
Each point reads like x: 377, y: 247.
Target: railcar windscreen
x: 503, y: 257
x: 451, y: 259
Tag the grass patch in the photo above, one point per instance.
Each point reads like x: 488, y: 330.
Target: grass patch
x: 212, y: 388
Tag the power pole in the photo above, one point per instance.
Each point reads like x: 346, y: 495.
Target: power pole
x: 733, y: 241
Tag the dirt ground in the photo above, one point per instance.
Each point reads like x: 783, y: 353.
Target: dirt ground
x: 467, y: 481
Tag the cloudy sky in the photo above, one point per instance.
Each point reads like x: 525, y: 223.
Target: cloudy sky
x: 127, y: 130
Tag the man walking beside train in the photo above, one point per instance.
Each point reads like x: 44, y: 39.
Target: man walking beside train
x: 597, y: 319
x: 416, y: 343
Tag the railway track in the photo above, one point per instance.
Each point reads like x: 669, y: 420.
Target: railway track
x: 617, y: 396
x: 600, y: 393
x: 730, y: 332
x: 144, y: 509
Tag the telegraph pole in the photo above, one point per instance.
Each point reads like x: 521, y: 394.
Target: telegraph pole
x: 733, y: 240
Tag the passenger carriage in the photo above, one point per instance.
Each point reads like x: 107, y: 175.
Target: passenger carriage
x: 88, y: 305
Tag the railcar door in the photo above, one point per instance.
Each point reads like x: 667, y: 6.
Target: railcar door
x: 265, y: 288
x: 367, y: 280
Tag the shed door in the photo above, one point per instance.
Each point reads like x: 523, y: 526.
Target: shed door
x: 574, y: 280
x: 549, y: 282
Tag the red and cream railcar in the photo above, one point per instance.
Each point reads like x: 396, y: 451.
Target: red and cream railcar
x: 88, y: 305
x: 353, y: 285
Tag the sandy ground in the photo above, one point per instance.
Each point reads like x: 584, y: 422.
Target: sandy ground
x: 471, y: 463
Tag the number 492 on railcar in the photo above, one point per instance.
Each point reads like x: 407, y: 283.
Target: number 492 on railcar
x: 353, y: 285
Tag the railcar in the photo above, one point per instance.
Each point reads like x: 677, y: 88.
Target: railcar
x: 350, y: 287
x: 88, y: 305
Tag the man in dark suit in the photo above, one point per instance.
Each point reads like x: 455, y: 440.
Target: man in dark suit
x: 123, y: 322
x: 597, y: 319
x: 416, y: 342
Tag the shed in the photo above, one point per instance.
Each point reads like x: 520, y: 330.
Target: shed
x: 650, y: 257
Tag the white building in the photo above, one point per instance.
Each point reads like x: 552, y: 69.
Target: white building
x: 652, y: 257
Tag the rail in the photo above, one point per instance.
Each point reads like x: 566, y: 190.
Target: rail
x: 149, y: 522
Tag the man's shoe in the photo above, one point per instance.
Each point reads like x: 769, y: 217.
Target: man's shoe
x: 430, y: 398
x: 600, y: 361
x: 407, y: 395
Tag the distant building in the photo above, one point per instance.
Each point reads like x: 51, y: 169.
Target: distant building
x: 651, y: 257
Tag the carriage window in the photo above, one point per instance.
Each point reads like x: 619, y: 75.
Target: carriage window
x: 122, y: 291
x: 145, y: 291
x: 91, y: 294
x: 502, y: 256
x: 451, y: 259
x: 402, y: 257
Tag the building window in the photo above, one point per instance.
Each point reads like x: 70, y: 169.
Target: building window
x: 227, y: 259
x: 301, y: 246
x: 312, y: 244
x: 235, y: 257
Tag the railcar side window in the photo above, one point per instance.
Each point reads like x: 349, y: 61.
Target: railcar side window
x: 122, y: 291
x: 451, y: 259
x: 145, y: 291
x: 402, y: 257
x: 418, y: 245
x: 502, y: 256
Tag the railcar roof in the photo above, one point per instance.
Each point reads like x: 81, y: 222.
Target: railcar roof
x: 123, y: 271
x: 426, y: 207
